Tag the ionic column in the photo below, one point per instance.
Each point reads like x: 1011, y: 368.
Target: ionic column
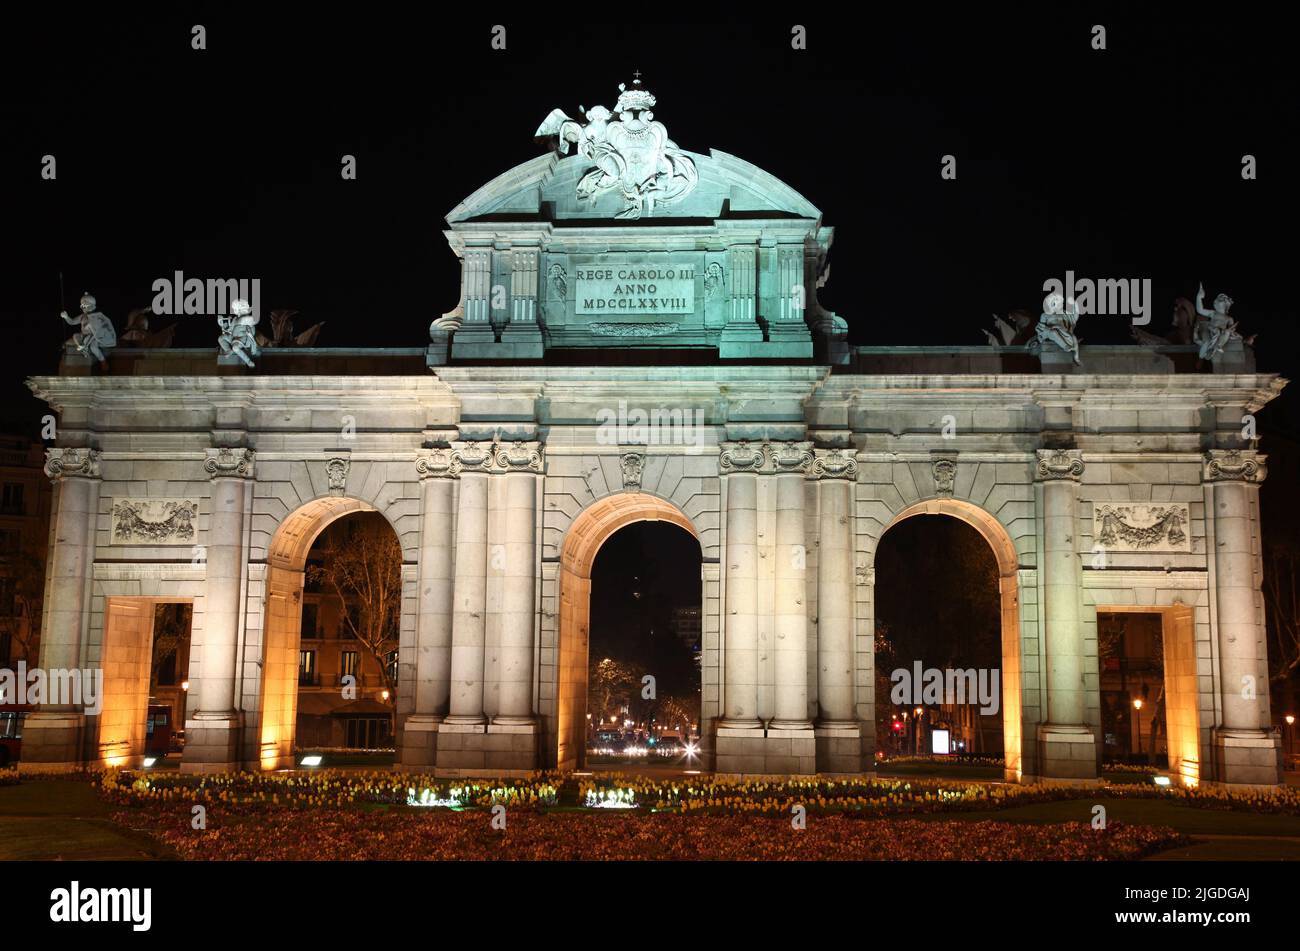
x: 212, y: 734
x: 1059, y: 472
x: 738, y: 464
x: 835, y: 472
x: 790, y: 610
x: 521, y: 463
x: 434, y: 623
x: 469, y: 597
x: 1234, y: 477
x: 53, y: 733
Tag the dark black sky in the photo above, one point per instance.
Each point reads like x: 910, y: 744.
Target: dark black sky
x: 225, y: 162
x: 641, y: 575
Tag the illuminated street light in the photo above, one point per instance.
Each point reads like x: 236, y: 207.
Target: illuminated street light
x: 185, y: 685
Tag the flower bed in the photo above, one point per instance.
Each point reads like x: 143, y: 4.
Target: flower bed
x: 253, y: 831
x: 695, y: 795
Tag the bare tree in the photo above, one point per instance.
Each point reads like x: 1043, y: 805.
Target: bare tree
x: 362, y: 564
x: 27, y: 575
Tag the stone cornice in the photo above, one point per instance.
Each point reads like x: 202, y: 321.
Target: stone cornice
x: 69, y: 461
x: 1234, y: 465
x: 1059, y: 464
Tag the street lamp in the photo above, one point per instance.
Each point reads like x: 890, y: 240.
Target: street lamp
x: 1137, y: 705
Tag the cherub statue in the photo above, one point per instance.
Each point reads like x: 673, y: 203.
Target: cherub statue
x: 1056, y: 325
x: 96, y: 335
x: 239, y: 332
x: 1214, y: 328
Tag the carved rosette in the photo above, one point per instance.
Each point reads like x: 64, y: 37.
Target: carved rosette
x: 436, y: 464
x: 337, y: 471
x: 742, y: 456
x: 632, y: 465
x: 833, y: 464
x: 1234, y: 465
x: 518, y: 456
x: 945, y: 474
x: 229, y: 463
x: 62, y: 463
x: 1059, y: 464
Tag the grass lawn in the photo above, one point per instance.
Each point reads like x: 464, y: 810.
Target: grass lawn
x: 64, y: 819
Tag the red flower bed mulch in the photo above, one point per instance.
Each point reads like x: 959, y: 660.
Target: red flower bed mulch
x: 247, y: 833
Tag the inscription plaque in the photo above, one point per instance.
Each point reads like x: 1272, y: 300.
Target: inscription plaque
x: 634, y: 289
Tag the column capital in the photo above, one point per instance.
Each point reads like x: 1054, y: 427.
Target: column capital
x: 1059, y: 465
x: 793, y: 457
x: 70, y: 461
x: 435, y: 464
x: 518, y: 456
x: 741, y: 456
x: 1234, y: 465
x: 226, y: 462
x: 833, y: 464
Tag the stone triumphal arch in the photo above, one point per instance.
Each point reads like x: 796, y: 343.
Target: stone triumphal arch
x: 554, y: 404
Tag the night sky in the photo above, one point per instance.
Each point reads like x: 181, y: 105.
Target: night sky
x: 1123, y: 163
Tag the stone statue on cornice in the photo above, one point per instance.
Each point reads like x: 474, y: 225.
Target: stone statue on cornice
x: 1214, y: 328
x: 1056, y: 325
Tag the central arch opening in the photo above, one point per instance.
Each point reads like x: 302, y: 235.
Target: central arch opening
x: 643, y: 664
x: 624, y: 627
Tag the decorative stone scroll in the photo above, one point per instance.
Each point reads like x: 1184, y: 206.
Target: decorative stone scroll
x: 742, y: 456
x: 518, y: 456
x: 765, y: 458
x: 69, y: 461
x: 435, y: 464
x: 833, y: 464
x: 1054, y: 464
x: 229, y: 463
x: 1142, y: 527
x: 154, y: 522
x: 1234, y: 465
